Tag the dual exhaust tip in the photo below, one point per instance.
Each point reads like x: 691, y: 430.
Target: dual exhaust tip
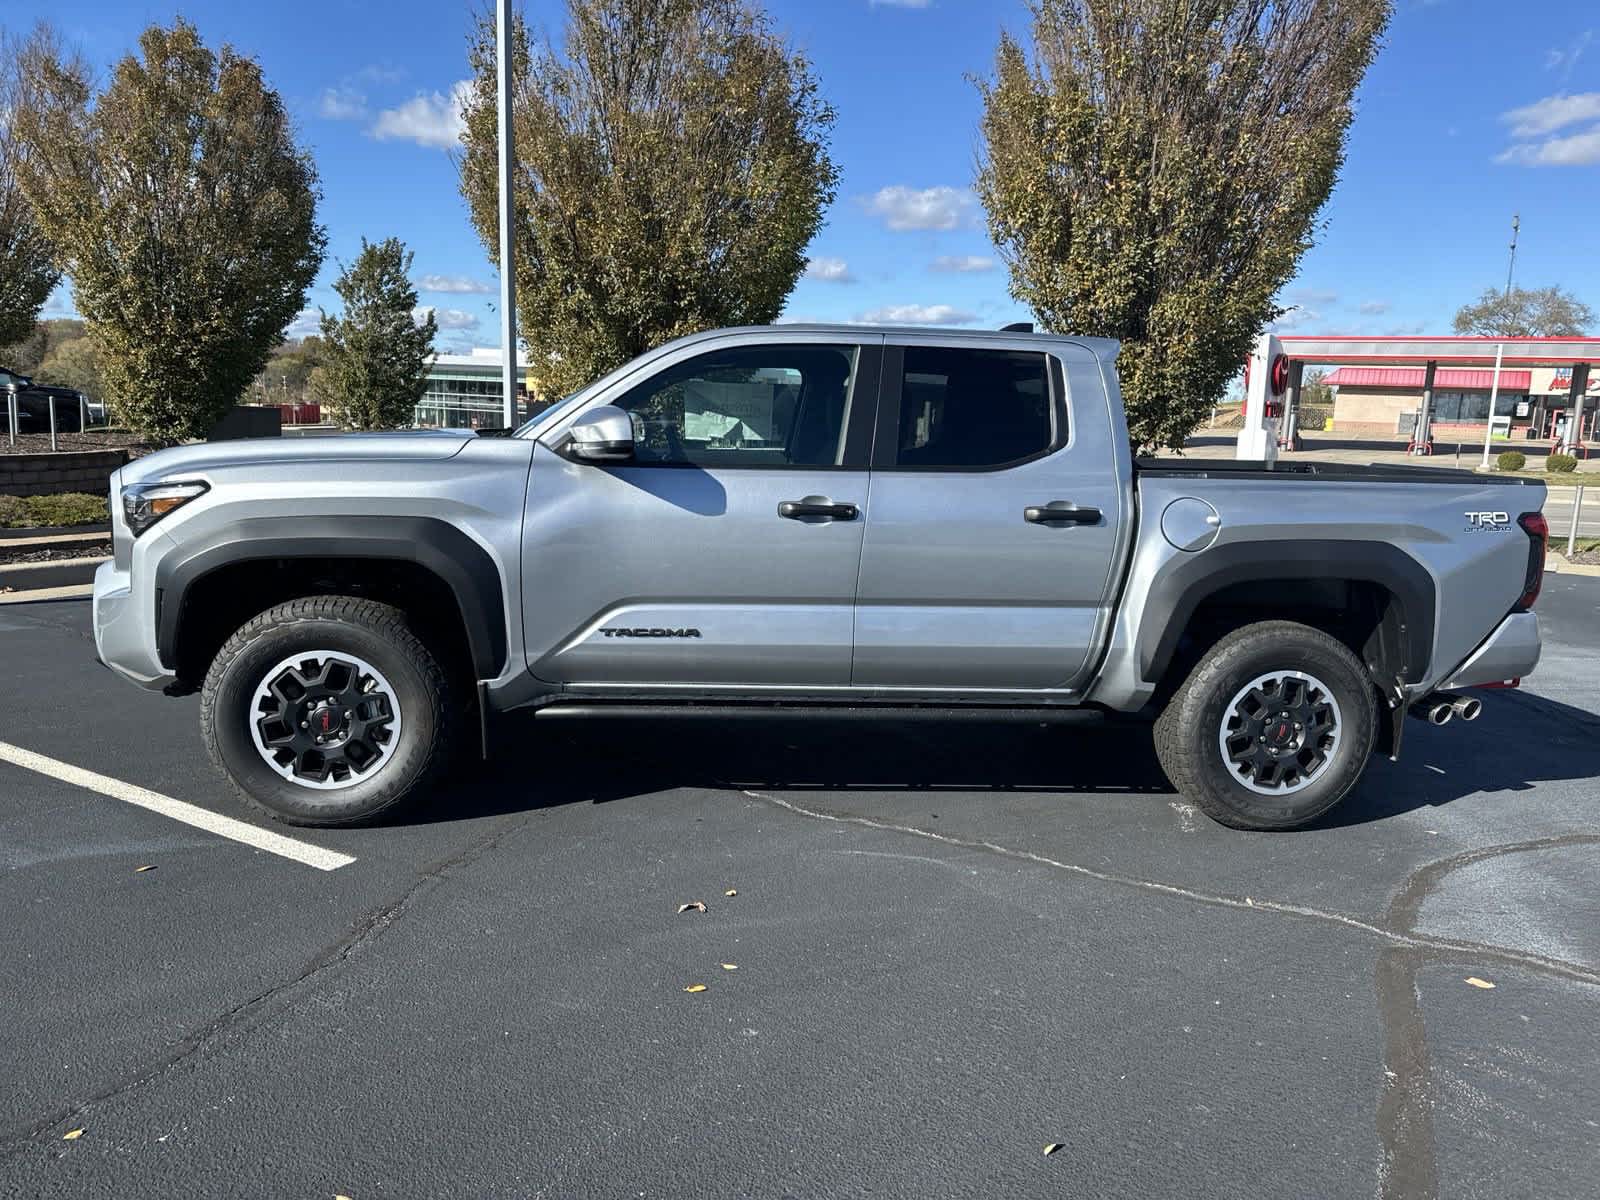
x: 1441, y: 709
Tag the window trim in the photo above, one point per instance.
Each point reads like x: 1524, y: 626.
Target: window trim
x: 860, y: 406
x: 886, y: 432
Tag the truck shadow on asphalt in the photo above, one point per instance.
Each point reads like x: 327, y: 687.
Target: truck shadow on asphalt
x: 1521, y: 740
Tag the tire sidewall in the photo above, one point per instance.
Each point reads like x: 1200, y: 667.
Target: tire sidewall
x: 1222, y: 680
x: 235, y: 689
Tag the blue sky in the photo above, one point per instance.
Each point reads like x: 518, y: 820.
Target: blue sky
x: 1474, y: 110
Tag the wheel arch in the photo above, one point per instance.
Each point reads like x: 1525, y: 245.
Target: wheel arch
x: 418, y: 563
x: 1381, y: 599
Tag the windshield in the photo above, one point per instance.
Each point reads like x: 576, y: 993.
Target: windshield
x: 534, y: 423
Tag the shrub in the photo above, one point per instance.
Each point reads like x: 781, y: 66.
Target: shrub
x: 1512, y: 460
x: 69, y: 508
x: 1561, y: 462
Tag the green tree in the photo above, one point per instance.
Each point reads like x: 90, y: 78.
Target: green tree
x: 73, y: 363
x: 374, y: 358
x: 287, y: 376
x: 186, y: 216
x: 672, y: 166
x: 28, y: 270
x: 1525, y: 312
x: 1154, y: 171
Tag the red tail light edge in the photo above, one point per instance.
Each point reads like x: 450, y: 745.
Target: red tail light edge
x: 1538, y: 531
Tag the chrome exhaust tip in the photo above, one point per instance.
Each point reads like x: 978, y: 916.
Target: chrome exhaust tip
x: 1440, y: 713
x: 1468, y: 708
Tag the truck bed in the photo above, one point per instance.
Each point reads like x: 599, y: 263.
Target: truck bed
x: 1224, y: 468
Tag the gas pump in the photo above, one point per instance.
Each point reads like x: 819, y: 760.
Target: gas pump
x: 1266, y: 379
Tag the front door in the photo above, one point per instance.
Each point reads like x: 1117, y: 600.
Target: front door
x: 993, y: 522
x: 725, y: 554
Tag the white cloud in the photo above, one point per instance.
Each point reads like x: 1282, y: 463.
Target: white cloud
x: 456, y: 284
x: 829, y: 270
x: 307, y: 323
x: 381, y: 73
x: 446, y: 318
x: 1308, y: 295
x: 1296, y: 318
x: 919, y: 314
x: 1374, y: 308
x: 905, y: 208
x: 342, y: 104
x: 429, y: 119
x: 1574, y: 150
x: 964, y: 264
x: 1565, y: 58
x: 1552, y: 113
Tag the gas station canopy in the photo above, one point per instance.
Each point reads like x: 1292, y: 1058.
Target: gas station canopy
x: 1446, y: 351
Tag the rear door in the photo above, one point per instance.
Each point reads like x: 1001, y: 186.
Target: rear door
x: 725, y: 554
x: 992, y: 521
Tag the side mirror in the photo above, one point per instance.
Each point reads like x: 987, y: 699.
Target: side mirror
x: 602, y: 435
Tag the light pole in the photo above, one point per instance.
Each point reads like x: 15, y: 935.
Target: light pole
x: 1494, y: 394
x: 508, y: 275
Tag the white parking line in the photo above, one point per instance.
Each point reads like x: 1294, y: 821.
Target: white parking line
x: 178, y: 810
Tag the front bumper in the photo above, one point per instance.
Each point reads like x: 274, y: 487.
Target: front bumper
x: 1510, y: 652
x: 124, y: 630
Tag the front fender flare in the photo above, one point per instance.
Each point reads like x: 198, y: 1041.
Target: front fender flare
x: 465, y: 567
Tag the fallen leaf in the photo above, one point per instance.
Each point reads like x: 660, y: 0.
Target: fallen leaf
x: 1479, y: 983
x: 730, y: 966
x: 695, y: 987
x: 696, y: 905
x: 1052, y: 1148
x: 731, y: 892
x: 143, y: 869
x: 72, y: 1135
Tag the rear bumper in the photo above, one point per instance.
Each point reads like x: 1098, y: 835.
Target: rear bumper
x: 1510, y: 652
x: 124, y: 639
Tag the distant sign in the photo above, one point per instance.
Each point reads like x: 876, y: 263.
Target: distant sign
x: 1562, y: 381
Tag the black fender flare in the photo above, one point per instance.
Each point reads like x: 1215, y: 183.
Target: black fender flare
x: 1187, y: 582
x: 437, y: 546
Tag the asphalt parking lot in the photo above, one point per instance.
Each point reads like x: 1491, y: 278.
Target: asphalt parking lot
x: 948, y: 948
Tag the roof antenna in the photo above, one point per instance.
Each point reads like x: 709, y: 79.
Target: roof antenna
x: 1017, y: 327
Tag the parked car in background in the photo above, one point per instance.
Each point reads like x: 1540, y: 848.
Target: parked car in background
x: 34, y: 401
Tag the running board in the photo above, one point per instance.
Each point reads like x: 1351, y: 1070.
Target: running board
x: 841, y: 711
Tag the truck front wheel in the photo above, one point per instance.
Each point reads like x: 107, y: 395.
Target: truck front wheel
x: 328, y: 710
x: 1271, y: 729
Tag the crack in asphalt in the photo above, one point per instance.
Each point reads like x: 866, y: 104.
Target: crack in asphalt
x: 262, y: 1006
x: 1451, y: 947
x: 1408, y: 1166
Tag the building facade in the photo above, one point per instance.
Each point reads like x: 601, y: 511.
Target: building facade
x: 464, y: 392
x: 1532, y: 402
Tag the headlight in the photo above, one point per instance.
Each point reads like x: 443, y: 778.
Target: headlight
x: 143, y: 504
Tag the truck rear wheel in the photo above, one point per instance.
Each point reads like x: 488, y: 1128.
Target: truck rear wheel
x: 328, y: 710
x: 1271, y: 729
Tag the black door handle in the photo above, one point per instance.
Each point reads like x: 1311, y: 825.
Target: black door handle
x: 817, y: 506
x: 1061, y: 512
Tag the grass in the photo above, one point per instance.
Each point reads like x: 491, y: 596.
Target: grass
x: 69, y: 508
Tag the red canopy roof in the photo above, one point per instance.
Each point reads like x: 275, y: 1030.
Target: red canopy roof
x: 1445, y: 379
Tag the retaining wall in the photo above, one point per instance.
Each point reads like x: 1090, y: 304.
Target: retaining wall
x: 50, y: 474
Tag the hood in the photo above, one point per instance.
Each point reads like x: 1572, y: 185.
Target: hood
x: 419, y: 445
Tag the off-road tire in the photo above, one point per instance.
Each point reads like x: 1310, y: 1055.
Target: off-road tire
x: 428, y: 696
x: 1187, y: 731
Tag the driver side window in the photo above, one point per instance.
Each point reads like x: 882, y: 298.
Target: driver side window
x: 752, y: 406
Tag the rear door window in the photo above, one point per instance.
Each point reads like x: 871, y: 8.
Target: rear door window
x: 968, y: 409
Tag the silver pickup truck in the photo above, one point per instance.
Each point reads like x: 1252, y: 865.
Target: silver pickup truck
x: 833, y: 519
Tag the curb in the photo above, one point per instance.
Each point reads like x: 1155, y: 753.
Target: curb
x: 66, y: 572
x: 1556, y: 564
x: 82, y: 591
x: 37, y: 533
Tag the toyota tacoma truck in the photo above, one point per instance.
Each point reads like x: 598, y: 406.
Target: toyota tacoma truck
x: 827, y: 519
